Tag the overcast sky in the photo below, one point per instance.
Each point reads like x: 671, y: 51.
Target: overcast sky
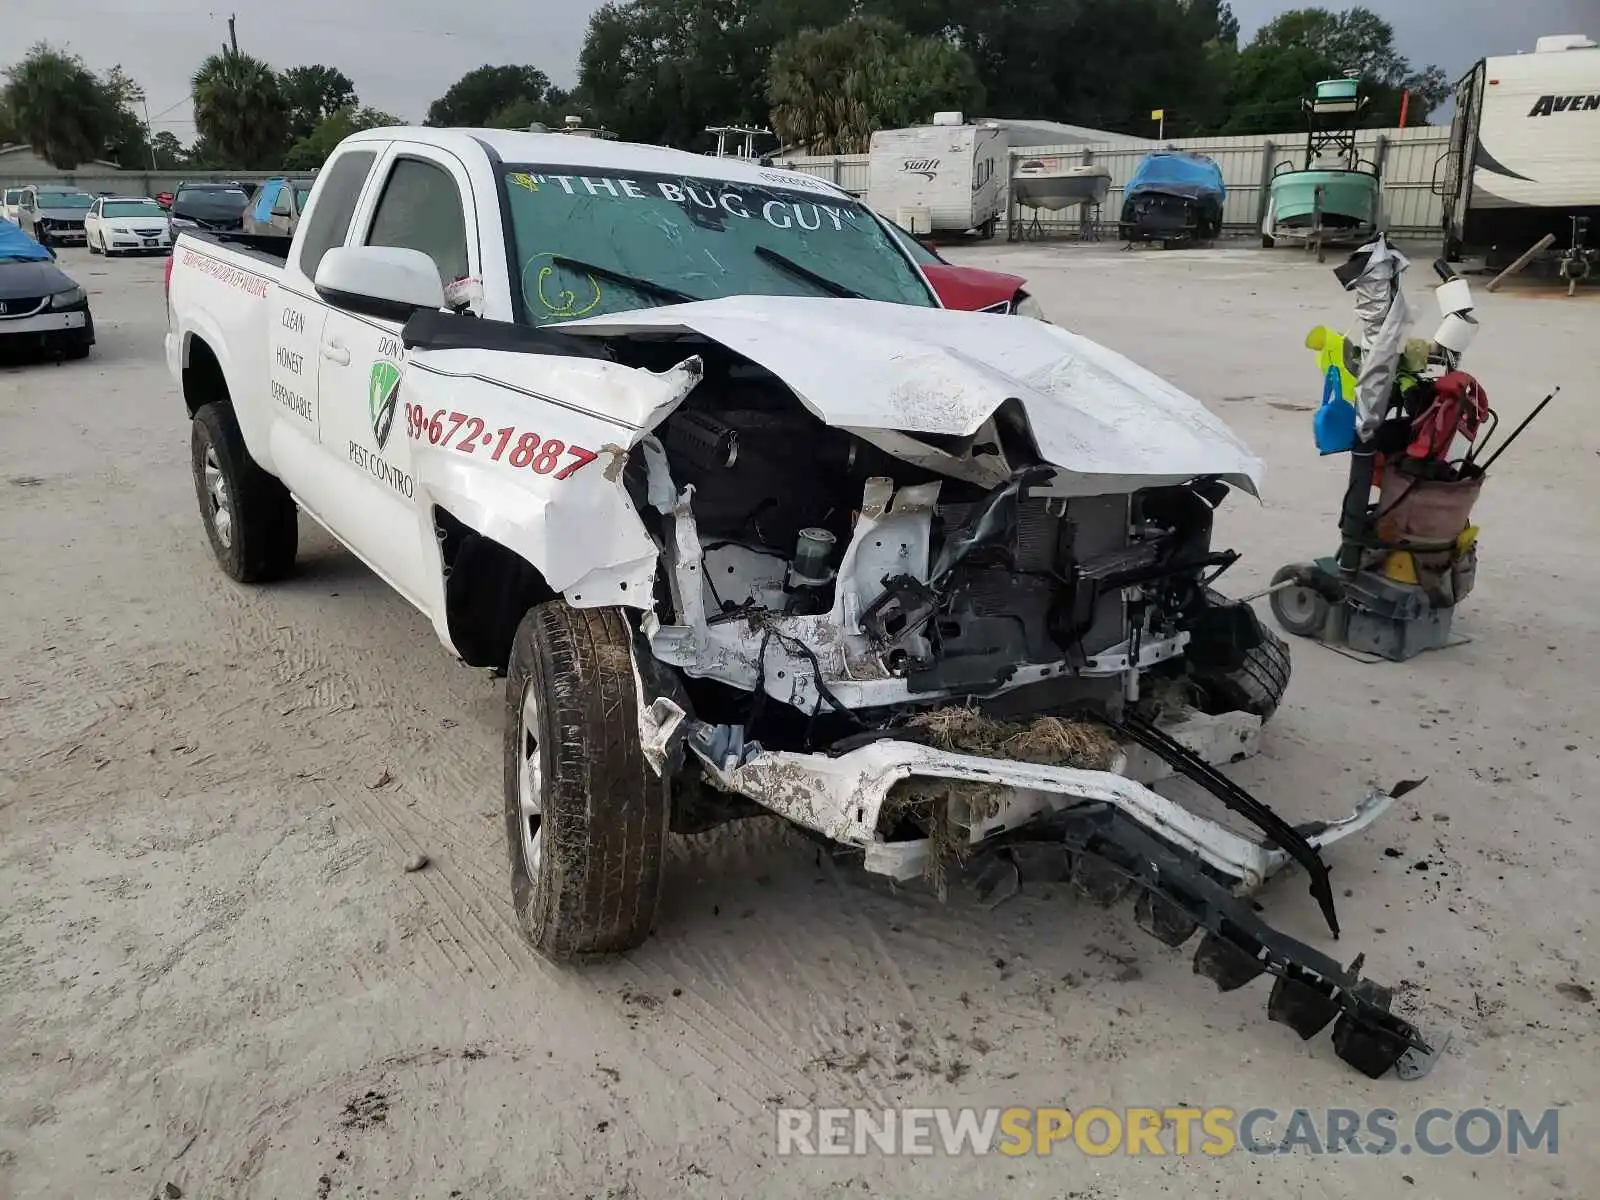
x: 402, y: 54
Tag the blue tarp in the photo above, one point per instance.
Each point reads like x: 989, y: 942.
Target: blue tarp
x: 267, y: 197
x: 16, y: 244
x: 1192, y: 175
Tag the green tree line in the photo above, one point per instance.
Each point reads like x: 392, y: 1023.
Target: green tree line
x: 822, y: 74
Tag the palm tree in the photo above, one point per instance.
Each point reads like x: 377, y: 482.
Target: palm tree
x: 239, y: 108
x: 815, y: 85
x: 58, y: 106
x: 830, y: 88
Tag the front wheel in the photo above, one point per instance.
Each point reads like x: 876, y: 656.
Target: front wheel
x: 586, y: 817
x: 249, y: 516
x: 1256, y: 685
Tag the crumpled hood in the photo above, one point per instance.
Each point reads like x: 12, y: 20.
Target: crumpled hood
x: 877, y: 369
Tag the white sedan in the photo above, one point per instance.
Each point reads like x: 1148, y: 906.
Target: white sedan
x: 127, y: 225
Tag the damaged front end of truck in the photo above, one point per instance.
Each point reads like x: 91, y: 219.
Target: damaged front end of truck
x: 936, y: 587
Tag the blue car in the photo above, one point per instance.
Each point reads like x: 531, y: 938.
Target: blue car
x: 42, y: 308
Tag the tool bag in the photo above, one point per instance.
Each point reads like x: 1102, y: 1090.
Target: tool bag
x: 1426, y: 526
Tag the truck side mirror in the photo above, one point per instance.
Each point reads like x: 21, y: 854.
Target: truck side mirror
x: 389, y: 282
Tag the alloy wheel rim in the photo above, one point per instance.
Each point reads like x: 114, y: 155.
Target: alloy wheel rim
x: 221, y: 502
x: 530, y: 784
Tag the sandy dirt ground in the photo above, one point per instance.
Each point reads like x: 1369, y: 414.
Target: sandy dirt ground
x: 215, y: 972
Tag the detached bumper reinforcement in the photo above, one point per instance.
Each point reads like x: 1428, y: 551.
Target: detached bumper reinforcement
x: 1310, y: 989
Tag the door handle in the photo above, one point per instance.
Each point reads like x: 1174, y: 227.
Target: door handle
x: 336, y: 352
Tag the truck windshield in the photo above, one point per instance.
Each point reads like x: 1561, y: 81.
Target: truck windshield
x: 705, y: 238
x: 65, y: 200
x: 916, y: 249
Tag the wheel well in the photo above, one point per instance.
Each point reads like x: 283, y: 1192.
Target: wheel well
x: 203, y: 381
x: 487, y: 589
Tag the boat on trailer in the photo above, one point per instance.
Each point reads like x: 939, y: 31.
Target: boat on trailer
x: 1334, y: 197
x: 1055, y: 186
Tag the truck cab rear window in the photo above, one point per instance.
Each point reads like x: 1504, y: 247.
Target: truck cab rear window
x: 327, y: 226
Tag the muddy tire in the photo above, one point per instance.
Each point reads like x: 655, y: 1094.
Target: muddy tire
x: 248, y: 514
x: 586, y: 818
x: 1255, y: 686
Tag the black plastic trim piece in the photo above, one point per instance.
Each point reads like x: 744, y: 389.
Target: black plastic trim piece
x: 1194, y: 768
x: 434, y: 329
x: 372, y: 306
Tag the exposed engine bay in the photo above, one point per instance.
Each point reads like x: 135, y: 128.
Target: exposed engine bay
x: 807, y: 563
x: 826, y: 592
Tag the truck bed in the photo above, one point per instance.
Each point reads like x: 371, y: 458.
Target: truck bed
x: 270, y: 248
x: 227, y: 286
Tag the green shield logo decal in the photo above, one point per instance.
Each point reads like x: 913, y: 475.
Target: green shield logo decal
x: 383, y: 390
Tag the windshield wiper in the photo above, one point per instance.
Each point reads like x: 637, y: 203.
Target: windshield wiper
x: 626, y: 280
x: 822, y: 281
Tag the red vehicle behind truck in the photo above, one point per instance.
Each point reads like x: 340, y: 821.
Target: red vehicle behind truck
x: 972, y: 289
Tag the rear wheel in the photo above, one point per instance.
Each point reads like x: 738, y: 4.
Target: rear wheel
x: 248, y: 514
x: 586, y: 817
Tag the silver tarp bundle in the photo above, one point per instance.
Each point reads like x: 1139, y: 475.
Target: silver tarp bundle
x: 1385, y: 319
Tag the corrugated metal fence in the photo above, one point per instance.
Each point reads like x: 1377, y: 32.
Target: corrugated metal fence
x: 130, y: 183
x: 1405, y: 159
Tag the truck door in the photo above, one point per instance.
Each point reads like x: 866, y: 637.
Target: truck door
x: 421, y: 201
x: 294, y: 332
x: 295, y: 324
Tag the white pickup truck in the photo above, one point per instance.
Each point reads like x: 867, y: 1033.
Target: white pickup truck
x: 687, y: 448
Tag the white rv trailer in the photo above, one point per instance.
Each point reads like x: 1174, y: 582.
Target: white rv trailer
x: 948, y: 177
x: 1524, y: 154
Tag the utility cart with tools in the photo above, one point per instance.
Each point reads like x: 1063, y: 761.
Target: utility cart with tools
x: 1417, y: 429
